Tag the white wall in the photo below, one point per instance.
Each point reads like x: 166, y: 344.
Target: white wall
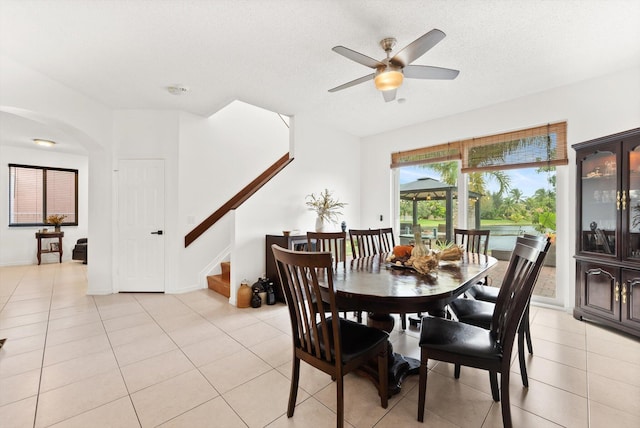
x: 592, y: 109
x: 218, y: 156
x: 323, y: 159
x: 33, y: 95
x: 18, y: 243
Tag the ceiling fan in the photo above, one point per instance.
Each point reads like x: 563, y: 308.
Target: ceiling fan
x: 391, y: 71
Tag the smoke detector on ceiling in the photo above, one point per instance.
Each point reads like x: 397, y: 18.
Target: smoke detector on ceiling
x: 177, y: 89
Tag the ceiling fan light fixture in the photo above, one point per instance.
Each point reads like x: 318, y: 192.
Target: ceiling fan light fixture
x: 388, y: 80
x: 44, y: 143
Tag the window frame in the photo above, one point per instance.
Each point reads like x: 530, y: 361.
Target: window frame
x: 44, y: 195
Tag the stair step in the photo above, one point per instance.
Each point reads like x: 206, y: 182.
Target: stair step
x: 226, y: 270
x: 219, y: 284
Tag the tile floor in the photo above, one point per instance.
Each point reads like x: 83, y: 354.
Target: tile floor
x: 192, y: 360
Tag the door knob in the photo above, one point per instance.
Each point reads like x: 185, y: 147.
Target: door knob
x: 159, y: 232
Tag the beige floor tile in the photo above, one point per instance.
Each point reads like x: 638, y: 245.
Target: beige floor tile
x: 234, y: 370
x: 19, y: 414
x: 208, y: 351
x: 549, y: 402
x: 155, y: 369
x: 143, y: 349
x: 195, y: 333
x: 601, y: 416
x: 597, y: 332
x: 305, y: 412
x: 229, y: 320
x: 445, y: 397
x: 74, y: 333
x: 559, y: 353
x: 475, y: 378
x: 14, y: 346
x: 23, y: 331
x: 22, y: 320
x: 25, y: 307
x: 361, y: 404
x: 276, y: 351
x: 127, y: 321
x: 74, y: 321
x: 615, y: 394
x: 255, y: 333
x: 87, y: 304
x: 262, y: 400
x: 519, y: 418
x: 170, y: 324
x: 281, y: 321
x: 19, y: 387
x: 557, y: 319
x: 20, y: 363
x: 77, y: 348
x: 555, y: 374
x: 563, y: 337
x: 134, y: 334
x: 311, y: 379
x: 170, y: 398
x: 83, y: 367
x: 76, y: 398
x: 405, y: 415
x: 201, y: 416
x: 613, y: 368
x: 622, y: 350
x: 109, y: 311
x: 119, y: 413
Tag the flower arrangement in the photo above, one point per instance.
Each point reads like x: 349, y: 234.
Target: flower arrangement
x: 326, y: 207
x: 56, y: 219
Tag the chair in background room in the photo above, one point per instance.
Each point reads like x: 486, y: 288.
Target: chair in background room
x: 333, y: 242
x: 474, y: 241
x: 80, y: 250
x: 364, y: 242
x: 334, y: 345
x: 480, y: 312
x: 465, y: 344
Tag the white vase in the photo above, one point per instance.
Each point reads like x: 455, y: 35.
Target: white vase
x: 319, y: 224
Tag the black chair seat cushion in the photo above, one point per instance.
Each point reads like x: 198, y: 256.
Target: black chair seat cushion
x: 475, y: 312
x: 453, y: 337
x: 357, y: 339
x: 484, y: 293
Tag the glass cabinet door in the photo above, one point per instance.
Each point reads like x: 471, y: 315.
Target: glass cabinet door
x: 631, y: 196
x: 599, y: 183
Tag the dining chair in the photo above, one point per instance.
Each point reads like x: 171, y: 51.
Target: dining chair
x: 364, y: 242
x: 479, y: 310
x: 333, y: 345
x: 333, y: 242
x: 387, y: 240
x: 474, y: 241
x: 469, y: 345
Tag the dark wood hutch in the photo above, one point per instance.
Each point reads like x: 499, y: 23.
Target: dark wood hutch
x: 608, y: 231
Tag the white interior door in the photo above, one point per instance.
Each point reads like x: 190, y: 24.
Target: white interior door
x: 141, y: 225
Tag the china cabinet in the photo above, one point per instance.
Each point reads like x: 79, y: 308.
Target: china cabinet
x: 292, y: 242
x: 608, y: 231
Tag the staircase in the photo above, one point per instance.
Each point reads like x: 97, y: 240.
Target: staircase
x: 221, y: 283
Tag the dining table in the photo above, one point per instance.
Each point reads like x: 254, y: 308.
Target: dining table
x: 382, y: 288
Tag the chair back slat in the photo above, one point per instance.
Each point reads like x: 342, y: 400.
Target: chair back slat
x: 333, y: 242
x: 305, y: 275
x: 475, y: 241
x: 522, y: 272
x: 387, y: 240
x: 364, y: 242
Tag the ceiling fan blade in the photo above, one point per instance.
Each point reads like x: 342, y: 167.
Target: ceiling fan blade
x: 389, y: 95
x: 357, y: 57
x: 418, y: 47
x: 353, y: 82
x: 429, y: 72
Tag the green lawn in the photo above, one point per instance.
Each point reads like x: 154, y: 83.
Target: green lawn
x: 429, y: 224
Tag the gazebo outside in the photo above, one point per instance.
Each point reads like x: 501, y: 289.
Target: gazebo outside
x: 429, y: 189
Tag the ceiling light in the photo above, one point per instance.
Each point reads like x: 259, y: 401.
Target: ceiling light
x: 177, y: 89
x: 388, y: 80
x: 45, y: 143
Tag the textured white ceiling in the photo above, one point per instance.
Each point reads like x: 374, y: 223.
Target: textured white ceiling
x: 277, y: 54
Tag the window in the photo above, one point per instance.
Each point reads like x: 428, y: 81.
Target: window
x: 36, y: 192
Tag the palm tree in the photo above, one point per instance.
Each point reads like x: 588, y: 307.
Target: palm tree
x: 477, y: 180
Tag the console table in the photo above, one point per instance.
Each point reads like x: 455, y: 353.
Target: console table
x: 49, y: 235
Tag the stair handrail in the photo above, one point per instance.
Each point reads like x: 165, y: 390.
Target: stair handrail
x: 238, y: 198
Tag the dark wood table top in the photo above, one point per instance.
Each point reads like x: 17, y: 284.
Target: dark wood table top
x: 371, y: 284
